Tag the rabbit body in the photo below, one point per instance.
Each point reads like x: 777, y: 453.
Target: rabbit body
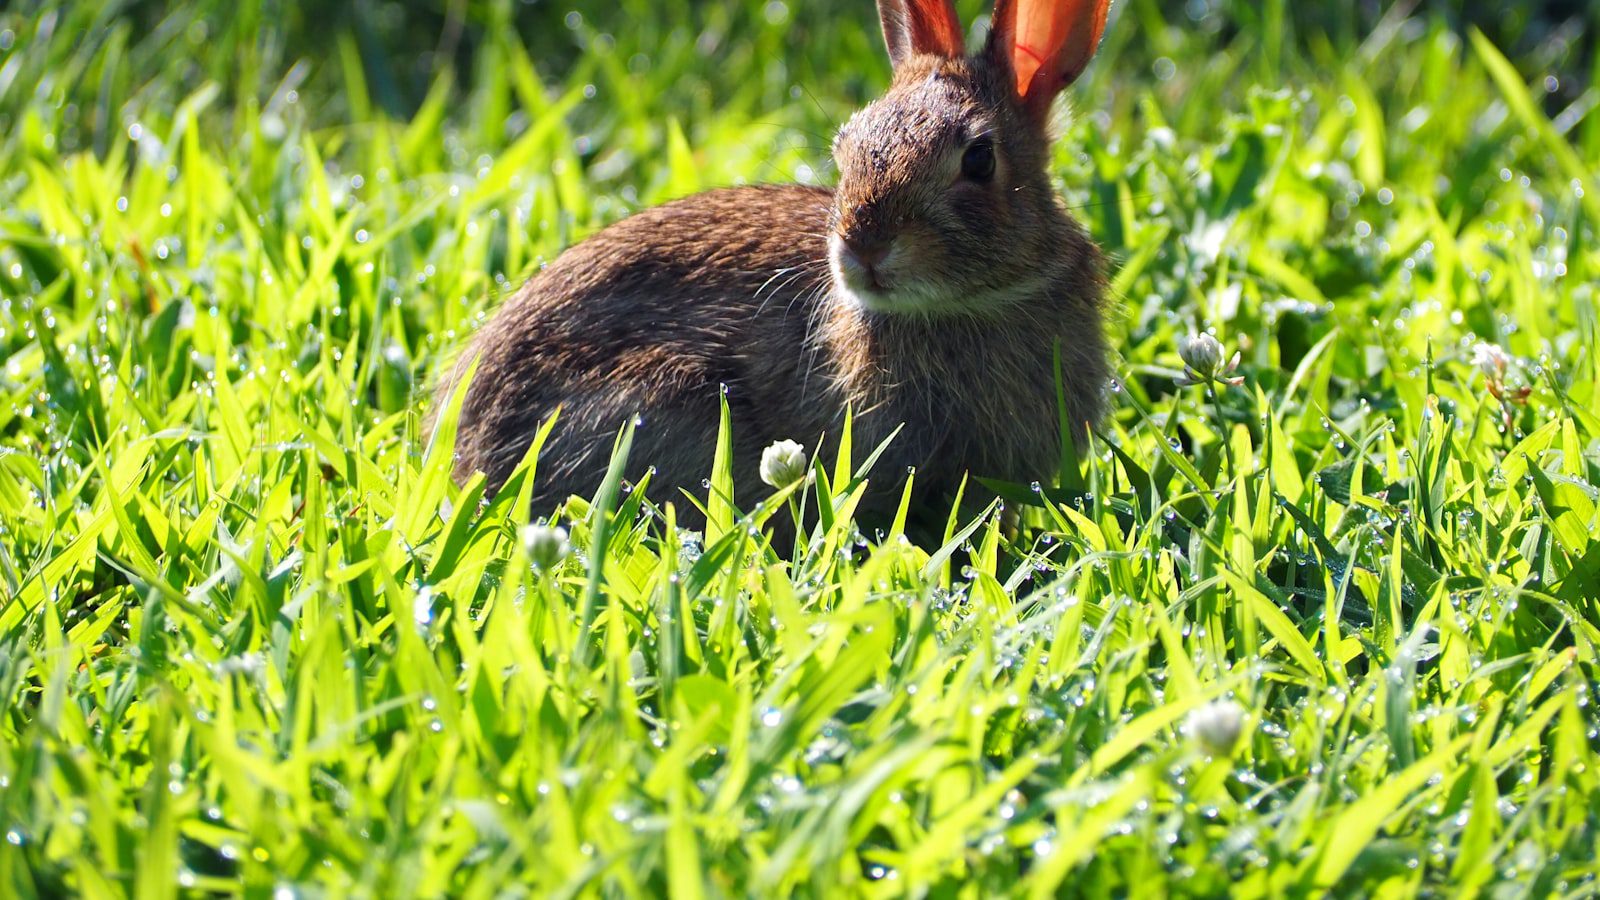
x: 911, y: 294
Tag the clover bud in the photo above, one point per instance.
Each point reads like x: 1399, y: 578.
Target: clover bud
x: 1200, y: 352
x: 1202, y: 361
x: 546, y: 545
x: 1217, y: 726
x: 783, y: 464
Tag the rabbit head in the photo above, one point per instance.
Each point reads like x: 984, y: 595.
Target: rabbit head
x: 944, y: 203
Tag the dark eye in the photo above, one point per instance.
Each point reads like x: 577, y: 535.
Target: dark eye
x: 978, y: 162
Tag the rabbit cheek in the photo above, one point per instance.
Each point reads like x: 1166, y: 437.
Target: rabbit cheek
x: 976, y: 219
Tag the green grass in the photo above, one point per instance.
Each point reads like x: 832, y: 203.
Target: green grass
x: 253, y: 638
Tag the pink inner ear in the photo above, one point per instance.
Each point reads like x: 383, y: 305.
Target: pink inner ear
x: 1057, y: 37
x: 1025, y: 63
x: 935, y: 27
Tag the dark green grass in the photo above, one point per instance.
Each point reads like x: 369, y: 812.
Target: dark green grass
x: 252, y: 637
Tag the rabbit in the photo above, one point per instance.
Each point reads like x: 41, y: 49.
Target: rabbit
x: 931, y: 289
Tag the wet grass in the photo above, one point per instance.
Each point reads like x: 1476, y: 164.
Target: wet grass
x: 253, y: 638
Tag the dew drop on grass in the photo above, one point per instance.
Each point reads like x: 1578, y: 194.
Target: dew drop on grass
x: 422, y: 607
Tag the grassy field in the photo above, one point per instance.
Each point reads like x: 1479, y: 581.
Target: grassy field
x: 253, y: 639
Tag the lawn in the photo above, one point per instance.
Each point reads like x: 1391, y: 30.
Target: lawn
x: 1331, y: 628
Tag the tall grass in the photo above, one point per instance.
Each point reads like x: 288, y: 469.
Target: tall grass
x: 253, y: 638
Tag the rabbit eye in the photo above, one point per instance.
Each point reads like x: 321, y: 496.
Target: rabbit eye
x: 978, y: 162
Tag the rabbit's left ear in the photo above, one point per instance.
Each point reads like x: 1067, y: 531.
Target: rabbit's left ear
x: 920, y: 26
x: 1046, y: 44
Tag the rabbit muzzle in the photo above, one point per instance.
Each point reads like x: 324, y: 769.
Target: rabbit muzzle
x: 864, y: 268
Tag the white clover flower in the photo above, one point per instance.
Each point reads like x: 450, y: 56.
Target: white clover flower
x: 1495, y: 364
x: 1217, y: 726
x: 546, y: 545
x: 1202, y: 361
x: 783, y: 464
x: 1491, y: 359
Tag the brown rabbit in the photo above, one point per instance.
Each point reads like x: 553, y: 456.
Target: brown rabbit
x: 931, y: 288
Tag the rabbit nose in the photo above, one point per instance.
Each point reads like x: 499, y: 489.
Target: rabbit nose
x: 867, y: 251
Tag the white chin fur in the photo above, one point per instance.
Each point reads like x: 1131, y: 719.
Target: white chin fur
x: 919, y: 298
x: 926, y: 300
x: 864, y: 300
x: 900, y: 301
x: 849, y: 287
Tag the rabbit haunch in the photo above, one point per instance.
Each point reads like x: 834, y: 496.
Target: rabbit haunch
x: 932, y: 289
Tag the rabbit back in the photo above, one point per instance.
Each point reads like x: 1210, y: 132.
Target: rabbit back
x: 654, y: 317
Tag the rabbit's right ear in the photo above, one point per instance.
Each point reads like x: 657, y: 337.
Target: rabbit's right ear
x: 920, y: 26
x: 1046, y: 44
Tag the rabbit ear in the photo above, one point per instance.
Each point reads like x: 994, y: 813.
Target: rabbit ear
x: 920, y: 26
x: 1046, y: 44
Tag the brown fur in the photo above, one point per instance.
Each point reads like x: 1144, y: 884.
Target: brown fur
x: 654, y: 315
